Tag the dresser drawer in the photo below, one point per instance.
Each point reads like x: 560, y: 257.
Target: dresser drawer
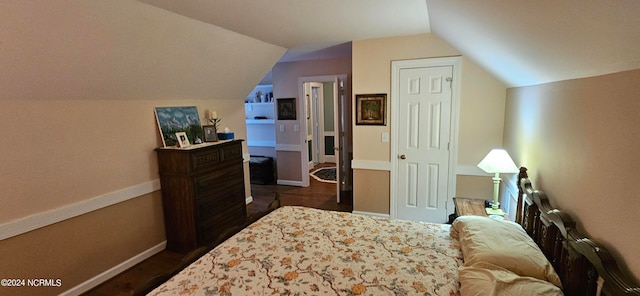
x: 218, y: 203
x: 203, y: 160
x: 218, y: 181
x: 232, y: 153
x: 210, y: 158
x: 203, y: 192
x: 210, y: 228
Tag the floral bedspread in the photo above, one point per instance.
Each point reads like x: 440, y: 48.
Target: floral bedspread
x: 304, y: 251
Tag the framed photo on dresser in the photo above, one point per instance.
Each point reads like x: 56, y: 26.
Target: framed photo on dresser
x: 210, y: 133
x: 183, y: 141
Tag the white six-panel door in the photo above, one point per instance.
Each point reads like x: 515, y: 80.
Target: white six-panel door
x: 423, y: 139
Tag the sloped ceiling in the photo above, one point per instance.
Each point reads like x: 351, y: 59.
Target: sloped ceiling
x: 308, y: 28
x: 89, y: 50
x: 533, y: 42
x: 520, y: 42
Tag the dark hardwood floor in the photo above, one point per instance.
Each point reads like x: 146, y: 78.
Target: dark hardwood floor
x: 318, y: 195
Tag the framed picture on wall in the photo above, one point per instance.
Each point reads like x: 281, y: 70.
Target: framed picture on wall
x: 286, y: 109
x: 371, y: 109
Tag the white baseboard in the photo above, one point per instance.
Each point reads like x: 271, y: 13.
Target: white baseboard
x: 288, y: 147
x: 248, y: 200
x: 371, y: 214
x: 290, y: 183
x: 103, y: 277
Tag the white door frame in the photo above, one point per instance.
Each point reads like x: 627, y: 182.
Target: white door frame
x: 315, y: 112
x: 455, y: 62
x: 304, y: 153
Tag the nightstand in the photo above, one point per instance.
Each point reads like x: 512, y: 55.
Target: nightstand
x: 468, y: 206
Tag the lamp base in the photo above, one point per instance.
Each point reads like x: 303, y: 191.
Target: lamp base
x: 498, y: 212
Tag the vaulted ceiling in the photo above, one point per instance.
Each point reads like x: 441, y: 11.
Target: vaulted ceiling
x: 533, y: 42
x: 520, y: 42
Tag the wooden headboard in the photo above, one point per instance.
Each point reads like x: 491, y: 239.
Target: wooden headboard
x: 584, y: 267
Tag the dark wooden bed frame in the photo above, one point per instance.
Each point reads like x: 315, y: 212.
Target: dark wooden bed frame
x: 584, y: 267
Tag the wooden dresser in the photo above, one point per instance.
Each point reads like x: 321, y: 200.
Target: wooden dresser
x: 202, y: 192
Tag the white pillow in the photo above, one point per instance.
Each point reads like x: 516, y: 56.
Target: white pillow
x: 504, y: 244
x: 484, y: 279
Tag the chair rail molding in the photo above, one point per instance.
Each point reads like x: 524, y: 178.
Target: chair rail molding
x: 39, y: 220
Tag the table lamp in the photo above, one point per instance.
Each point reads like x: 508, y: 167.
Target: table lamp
x: 496, y: 162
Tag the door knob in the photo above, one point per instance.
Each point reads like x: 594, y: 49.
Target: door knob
x: 403, y: 156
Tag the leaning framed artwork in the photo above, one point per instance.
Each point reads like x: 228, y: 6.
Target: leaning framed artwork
x: 371, y: 109
x: 286, y: 109
x: 178, y: 119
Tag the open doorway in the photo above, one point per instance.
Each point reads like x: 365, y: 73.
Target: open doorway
x: 319, y: 115
x: 327, y: 124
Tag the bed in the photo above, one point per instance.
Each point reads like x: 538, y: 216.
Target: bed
x: 303, y: 251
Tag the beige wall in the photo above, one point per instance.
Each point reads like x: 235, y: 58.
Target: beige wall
x: 481, y: 111
x: 479, y: 187
x: 371, y: 183
x: 482, y: 100
x: 285, y: 85
x: 76, y: 249
x: 79, y: 82
x: 580, y: 140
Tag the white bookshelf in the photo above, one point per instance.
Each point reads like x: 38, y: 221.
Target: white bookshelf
x: 261, y: 133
